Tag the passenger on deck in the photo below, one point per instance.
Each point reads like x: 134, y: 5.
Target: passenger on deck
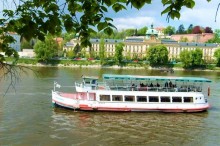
x: 151, y: 85
x: 158, y: 85
x: 166, y: 84
x: 132, y: 87
x: 170, y: 84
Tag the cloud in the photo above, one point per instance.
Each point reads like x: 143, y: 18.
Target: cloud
x: 132, y: 22
x: 200, y: 16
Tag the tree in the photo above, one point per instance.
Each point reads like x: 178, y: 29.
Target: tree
x: 157, y: 55
x: 181, y: 29
x: 119, y: 53
x: 197, y: 30
x: 47, y: 49
x: 217, y: 56
x: 130, y: 32
x: 70, y: 54
x: 191, y: 58
x: 216, y: 38
x: 197, y: 55
x: 190, y: 28
x: 183, y: 39
x: 26, y: 45
x: 169, y: 30
x: 102, y: 51
x: 185, y: 58
x: 208, y: 30
x: 142, y: 31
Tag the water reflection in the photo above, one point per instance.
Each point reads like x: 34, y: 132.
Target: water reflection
x: 108, y: 128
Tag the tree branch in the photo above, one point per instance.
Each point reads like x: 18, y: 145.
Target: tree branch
x: 217, y: 12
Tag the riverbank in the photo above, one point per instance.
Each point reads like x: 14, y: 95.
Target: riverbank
x: 162, y: 69
x: 109, y: 64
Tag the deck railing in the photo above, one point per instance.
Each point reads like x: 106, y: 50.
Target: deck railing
x: 104, y: 86
x: 157, y: 89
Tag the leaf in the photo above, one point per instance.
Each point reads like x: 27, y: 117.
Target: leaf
x: 137, y: 3
x: 108, y: 31
x: 118, y: 7
x: 189, y: 3
x: 108, y: 19
x: 168, y: 9
x: 174, y: 14
x: 102, y: 25
x: 104, y: 8
x: 167, y: 2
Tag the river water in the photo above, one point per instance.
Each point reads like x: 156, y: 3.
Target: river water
x: 28, y: 118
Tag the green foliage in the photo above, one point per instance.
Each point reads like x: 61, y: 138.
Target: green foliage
x: 70, y: 54
x: 181, y: 29
x: 184, y: 39
x: 190, y: 28
x: 142, y: 31
x: 217, y: 56
x: 216, y: 38
x: 192, y: 59
x: 157, y: 55
x: 102, y: 51
x: 26, y: 45
x: 185, y: 57
x: 47, y: 49
x: 169, y: 30
x: 119, y: 53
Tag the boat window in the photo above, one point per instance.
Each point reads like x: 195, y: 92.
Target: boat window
x: 141, y: 98
x: 165, y: 99
x: 116, y: 97
x: 188, y: 99
x: 129, y: 98
x: 153, y: 99
x: 177, y: 99
x: 105, y: 98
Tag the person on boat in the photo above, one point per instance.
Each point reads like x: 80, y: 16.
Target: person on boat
x: 151, y: 84
x: 132, y: 87
x: 158, y: 85
x: 166, y: 84
x: 170, y: 84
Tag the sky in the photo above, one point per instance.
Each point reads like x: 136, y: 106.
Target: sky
x: 203, y: 14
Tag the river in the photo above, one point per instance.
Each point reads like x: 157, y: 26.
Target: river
x: 28, y: 118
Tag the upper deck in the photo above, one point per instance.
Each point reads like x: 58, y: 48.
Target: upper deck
x: 145, y: 83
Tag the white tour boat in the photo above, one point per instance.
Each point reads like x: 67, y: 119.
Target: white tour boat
x: 136, y: 93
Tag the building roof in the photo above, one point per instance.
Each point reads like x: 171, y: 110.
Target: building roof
x: 197, y: 44
x: 106, y: 40
x: 152, y: 31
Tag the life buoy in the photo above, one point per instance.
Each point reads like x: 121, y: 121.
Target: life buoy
x: 208, y: 91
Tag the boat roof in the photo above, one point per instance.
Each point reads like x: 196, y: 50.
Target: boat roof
x: 154, y: 78
x: 90, y: 77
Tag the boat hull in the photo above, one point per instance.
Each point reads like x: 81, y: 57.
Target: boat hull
x: 79, y: 101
